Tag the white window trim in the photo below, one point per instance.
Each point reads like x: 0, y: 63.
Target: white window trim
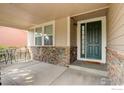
x: 43, y: 25
x: 30, y: 38
x: 103, y: 19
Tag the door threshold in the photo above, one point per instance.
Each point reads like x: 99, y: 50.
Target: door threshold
x: 91, y: 60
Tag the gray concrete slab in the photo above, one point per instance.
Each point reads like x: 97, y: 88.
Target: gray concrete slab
x: 17, y: 65
x: 40, y: 73
x: 77, y: 77
x: 7, y: 81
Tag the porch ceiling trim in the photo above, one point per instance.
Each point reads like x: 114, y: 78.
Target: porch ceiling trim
x: 90, y: 11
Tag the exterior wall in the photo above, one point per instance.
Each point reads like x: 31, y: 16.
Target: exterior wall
x: 61, y: 42
x: 115, y: 66
x: 58, y: 54
x: 94, y: 14
x: 61, y: 32
x: 73, y: 54
x: 75, y: 19
x: 30, y: 38
x: 61, y: 39
x: 73, y: 32
x: 73, y: 27
x: 12, y: 37
x: 54, y: 55
x: 73, y: 40
x: 115, y: 50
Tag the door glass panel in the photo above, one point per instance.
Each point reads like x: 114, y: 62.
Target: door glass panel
x: 83, y: 40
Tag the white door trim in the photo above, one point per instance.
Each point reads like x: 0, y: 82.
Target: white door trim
x: 103, y: 19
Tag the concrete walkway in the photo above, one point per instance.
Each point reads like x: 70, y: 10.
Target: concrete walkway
x: 39, y: 73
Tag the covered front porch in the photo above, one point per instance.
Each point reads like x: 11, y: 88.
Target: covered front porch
x: 85, y: 37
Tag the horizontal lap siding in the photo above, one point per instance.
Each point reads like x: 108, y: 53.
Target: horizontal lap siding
x: 61, y: 32
x: 116, y: 26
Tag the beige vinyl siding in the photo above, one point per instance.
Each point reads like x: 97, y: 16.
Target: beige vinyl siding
x: 116, y: 27
x: 61, y: 32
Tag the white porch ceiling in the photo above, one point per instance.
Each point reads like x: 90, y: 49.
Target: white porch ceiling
x: 25, y: 15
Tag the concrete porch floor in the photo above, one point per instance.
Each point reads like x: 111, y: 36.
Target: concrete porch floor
x: 92, y: 65
x: 40, y: 73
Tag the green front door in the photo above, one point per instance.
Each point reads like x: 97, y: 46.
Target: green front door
x: 92, y: 39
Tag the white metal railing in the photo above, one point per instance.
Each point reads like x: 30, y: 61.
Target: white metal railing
x: 14, y: 55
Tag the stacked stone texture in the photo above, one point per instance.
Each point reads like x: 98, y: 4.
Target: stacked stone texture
x: 115, y: 61
x: 55, y: 55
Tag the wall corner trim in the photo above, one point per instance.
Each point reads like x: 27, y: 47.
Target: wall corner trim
x: 68, y: 31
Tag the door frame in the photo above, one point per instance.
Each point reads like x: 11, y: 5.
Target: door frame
x: 103, y: 46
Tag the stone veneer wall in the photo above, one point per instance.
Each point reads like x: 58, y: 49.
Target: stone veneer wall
x: 73, y: 54
x: 55, y: 55
x: 115, y: 63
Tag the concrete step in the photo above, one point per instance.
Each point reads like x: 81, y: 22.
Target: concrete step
x: 91, y: 70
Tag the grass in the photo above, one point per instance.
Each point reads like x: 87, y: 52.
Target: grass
x: 5, y: 47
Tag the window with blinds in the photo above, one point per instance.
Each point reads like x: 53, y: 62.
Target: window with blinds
x: 48, y: 35
x: 44, y: 35
x: 38, y: 36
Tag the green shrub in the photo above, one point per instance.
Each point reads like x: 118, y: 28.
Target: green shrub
x: 3, y: 47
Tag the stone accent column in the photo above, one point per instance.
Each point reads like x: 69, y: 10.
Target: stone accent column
x: 115, y: 66
x: 73, y: 54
